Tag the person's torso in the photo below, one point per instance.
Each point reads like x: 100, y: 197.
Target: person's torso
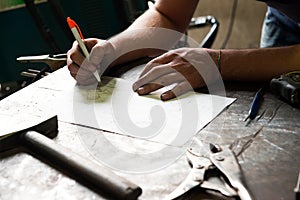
x: 290, y: 8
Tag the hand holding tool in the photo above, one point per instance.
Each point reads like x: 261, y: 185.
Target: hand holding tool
x: 213, y: 168
x: 79, y: 37
x: 36, y: 139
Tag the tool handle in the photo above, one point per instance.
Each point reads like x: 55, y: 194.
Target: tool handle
x: 227, y: 163
x: 99, y: 177
x: 243, y: 192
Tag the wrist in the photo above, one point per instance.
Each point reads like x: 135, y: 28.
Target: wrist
x: 216, y: 56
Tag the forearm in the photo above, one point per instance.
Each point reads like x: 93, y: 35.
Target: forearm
x: 257, y: 64
x: 123, y: 42
x: 141, y: 39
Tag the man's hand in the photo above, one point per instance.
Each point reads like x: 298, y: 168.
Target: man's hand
x: 187, y: 68
x: 81, y: 69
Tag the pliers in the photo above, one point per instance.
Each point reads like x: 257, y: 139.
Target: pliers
x: 53, y: 61
x: 215, y: 168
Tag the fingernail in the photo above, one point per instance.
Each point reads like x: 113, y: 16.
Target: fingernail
x: 164, y: 97
x: 141, y: 91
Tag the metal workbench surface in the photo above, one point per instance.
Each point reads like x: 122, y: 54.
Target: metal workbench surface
x: 268, y: 151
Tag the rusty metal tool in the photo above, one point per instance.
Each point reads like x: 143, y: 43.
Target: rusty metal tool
x: 213, y: 168
x: 53, y: 61
x: 37, y: 139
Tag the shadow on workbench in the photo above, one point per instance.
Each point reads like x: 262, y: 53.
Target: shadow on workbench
x: 57, y: 166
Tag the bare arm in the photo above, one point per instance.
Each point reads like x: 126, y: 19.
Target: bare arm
x: 170, y: 14
x: 180, y: 67
x: 139, y: 40
x: 257, y: 64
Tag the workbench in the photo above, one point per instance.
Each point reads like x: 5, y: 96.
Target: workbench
x: 268, y: 149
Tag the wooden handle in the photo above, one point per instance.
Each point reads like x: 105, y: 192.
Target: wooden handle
x: 101, y: 178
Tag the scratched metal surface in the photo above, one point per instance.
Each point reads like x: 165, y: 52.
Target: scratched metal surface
x: 268, y: 149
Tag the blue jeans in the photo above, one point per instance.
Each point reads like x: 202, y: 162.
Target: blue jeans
x: 279, y: 30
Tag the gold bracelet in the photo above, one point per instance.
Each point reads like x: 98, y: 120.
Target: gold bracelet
x: 219, y: 61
